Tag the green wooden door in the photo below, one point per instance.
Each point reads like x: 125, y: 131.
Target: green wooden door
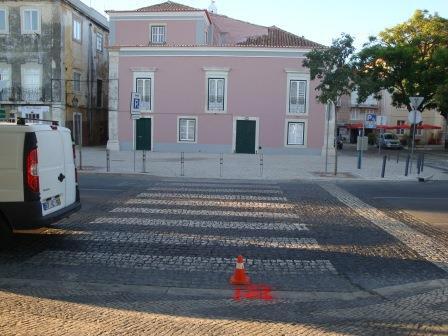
x: 143, y: 134
x: 245, y: 136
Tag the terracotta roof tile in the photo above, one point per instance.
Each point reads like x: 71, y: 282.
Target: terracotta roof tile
x: 277, y: 37
x: 169, y: 6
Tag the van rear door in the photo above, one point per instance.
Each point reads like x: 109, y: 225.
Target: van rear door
x: 69, y: 167
x: 51, y: 166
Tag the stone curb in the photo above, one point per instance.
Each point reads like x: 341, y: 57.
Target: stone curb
x: 217, y: 294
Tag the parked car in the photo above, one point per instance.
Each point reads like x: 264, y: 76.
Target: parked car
x: 388, y: 140
x: 38, y: 178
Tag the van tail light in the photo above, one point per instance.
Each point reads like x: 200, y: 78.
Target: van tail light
x: 32, y: 173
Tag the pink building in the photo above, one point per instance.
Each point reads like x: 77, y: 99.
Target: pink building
x: 210, y: 83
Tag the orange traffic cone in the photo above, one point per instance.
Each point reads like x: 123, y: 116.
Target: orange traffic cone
x: 239, y: 277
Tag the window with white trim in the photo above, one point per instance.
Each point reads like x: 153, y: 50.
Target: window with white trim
x: 30, y: 20
x: 99, y: 42
x: 143, y: 83
x: 187, y: 130
x: 400, y: 123
x: 76, y: 82
x: 31, y: 82
x: 296, y: 133
x: 143, y: 86
x: 4, y: 24
x: 297, y: 96
x: 158, y: 35
x: 5, y: 75
x: 216, y: 94
x: 77, y: 29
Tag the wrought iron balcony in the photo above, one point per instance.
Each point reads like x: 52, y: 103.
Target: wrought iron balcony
x: 25, y: 94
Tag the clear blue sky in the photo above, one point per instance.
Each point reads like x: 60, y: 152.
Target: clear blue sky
x: 317, y: 20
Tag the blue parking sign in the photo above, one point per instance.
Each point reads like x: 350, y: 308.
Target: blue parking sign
x: 370, y: 120
x: 136, y: 103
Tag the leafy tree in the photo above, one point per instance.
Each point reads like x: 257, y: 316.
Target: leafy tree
x: 410, y: 59
x: 333, y: 68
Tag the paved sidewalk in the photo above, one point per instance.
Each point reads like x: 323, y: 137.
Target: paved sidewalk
x: 244, y: 166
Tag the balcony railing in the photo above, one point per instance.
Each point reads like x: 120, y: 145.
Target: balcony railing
x: 23, y: 94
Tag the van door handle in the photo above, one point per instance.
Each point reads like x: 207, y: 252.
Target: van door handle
x: 61, y: 177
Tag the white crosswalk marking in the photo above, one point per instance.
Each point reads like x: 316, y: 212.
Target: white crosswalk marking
x: 214, y: 203
x: 217, y: 190
x: 202, y: 224
x: 189, y: 212
x: 251, y: 186
x: 183, y: 263
x: 187, y: 239
x: 220, y: 196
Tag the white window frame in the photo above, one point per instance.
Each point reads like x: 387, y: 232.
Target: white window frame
x: 98, y: 34
x: 145, y: 75
x: 179, y: 140
x: 77, y: 83
x: 297, y: 76
x: 5, y: 68
x: 39, y: 87
x: 75, y: 37
x: 22, y: 20
x: 6, y: 30
x: 305, y: 133
x: 217, y: 73
x: 153, y: 34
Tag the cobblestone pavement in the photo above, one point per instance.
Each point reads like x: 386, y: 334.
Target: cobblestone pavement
x: 153, y: 257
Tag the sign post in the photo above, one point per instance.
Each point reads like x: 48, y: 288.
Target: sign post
x: 414, y: 117
x: 135, y: 112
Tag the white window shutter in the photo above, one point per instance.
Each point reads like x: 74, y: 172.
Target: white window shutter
x: 301, y: 94
x: 211, y: 92
x: 297, y: 96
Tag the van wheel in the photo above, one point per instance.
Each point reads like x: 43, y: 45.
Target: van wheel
x: 5, y: 234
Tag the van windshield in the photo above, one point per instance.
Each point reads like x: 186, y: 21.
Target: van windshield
x: 390, y: 137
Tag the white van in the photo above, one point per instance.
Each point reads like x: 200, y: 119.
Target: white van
x: 38, y: 178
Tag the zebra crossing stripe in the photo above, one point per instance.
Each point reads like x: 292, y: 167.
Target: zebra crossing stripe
x: 234, y: 197
x: 216, y: 190
x: 182, y: 263
x: 186, y: 239
x: 189, y: 212
x: 202, y: 224
x: 251, y: 186
x: 214, y: 203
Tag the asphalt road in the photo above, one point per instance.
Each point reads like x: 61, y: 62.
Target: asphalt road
x: 426, y: 201
x: 153, y: 256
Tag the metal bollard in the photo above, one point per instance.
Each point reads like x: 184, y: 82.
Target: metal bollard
x: 221, y: 162
x: 418, y: 164
x: 107, y: 160
x: 261, y: 164
x: 422, y: 162
x: 80, y: 157
x: 406, y: 170
x: 383, y: 170
x: 359, y: 159
x: 182, y: 158
x: 144, y: 161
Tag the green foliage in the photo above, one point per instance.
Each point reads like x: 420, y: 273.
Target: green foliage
x: 410, y: 59
x: 332, y: 67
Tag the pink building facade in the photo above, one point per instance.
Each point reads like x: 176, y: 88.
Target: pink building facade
x: 211, y: 84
